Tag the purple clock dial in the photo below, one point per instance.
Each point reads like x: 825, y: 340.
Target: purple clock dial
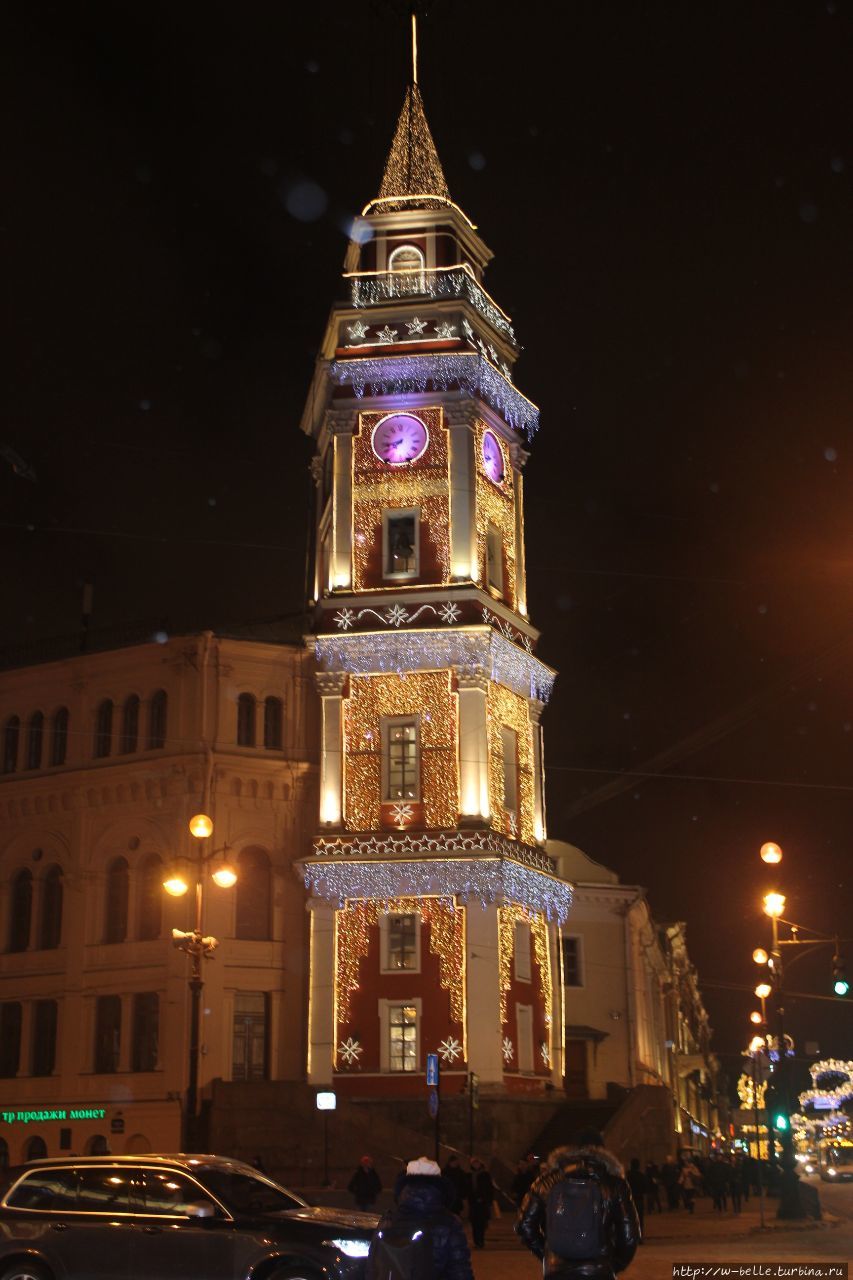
x: 493, y: 458
x: 399, y: 438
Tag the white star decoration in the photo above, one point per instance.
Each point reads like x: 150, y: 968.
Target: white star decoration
x: 493, y: 354
x: 507, y: 1050
x: 415, y: 327
x: 357, y: 331
x: 402, y: 813
x: 507, y: 372
x: 387, y: 334
x: 450, y: 1049
x: 350, y: 1051
x: 445, y: 329
x: 467, y: 330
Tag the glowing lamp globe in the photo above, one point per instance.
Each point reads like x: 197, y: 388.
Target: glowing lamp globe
x: 774, y: 904
x: 756, y: 1044
x: 763, y: 990
x: 176, y: 885
x: 770, y: 852
x: 201, y: 826
x: 756, y: 1018
x: 760, y: 956
x: 225, y: 876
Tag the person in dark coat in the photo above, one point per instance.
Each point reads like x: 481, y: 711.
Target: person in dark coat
x: 620, y: 1227
x: 639, y: 1184
x: 421, y: 1206
x: 717, y: 1182
x: 457, y: 1181
x: 525, y: 1172
x: 365, y: 1185
x: 669, y: 1175
x: 481, y: 1193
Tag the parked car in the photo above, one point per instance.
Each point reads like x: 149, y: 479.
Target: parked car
x: 158, y: 1217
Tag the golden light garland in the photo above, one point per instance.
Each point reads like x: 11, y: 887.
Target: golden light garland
x: 413, y: 166
x: 496, y: 507
x: 746, y: 1093
x: 503, y: 707
x: 428, y: 695
x: 376, y: 487
x: 353, y: 923
x: 508, y: 917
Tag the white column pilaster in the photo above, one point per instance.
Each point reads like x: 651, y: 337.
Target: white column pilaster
x: 483, y: 1005
x: 539, y: 826
x: 473, y: 744
x: 330, y: 686
x: 321, y: 993
x: 463, y: 540
x: 342, y: 535
x: 520, y: 569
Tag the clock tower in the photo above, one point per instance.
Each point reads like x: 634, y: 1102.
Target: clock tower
x: 435, y: 910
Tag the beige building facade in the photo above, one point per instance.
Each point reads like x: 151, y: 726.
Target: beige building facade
x: 106, y: 756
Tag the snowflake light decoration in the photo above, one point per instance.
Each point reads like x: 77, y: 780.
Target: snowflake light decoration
x: 387, y: 334
x: 351, y: 1051
x: 416, y: 326
x: 449, y: 613
x: 344, y: 619
x: 450, y: 1049
x: 493, y: 354
x: 507, y: 1050
x: 546, y: 1053
x: 468, y: 331
x: 402, y: 813
x: 445, y: 329
x: 358, y: 331
x: 396, y: 615
x: 506, y: 371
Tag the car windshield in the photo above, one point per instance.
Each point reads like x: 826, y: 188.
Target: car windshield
x: 841, y: 1155
x: 243, y: 1192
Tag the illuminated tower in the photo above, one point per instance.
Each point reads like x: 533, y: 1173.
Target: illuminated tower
x: 435, y: 909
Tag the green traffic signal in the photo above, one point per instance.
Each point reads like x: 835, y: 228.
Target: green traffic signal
x: 841, y: 986
x: 840, y: 981
x: 780, y: 1122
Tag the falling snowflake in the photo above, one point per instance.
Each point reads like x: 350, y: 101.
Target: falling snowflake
x: 350, y: 1051
x: 507, y: 1050
x: 387, y: 334
x: 546, y: 1053
x: 445, y: 329
x: 449, y: 612
x: 357, y: 331
x: 493, y: 354
x: 467, y: 330
x: 402, y: 813
x: 450, y: 1049
x: 416, y: 327
x: 395, y: 615
x: 344, y: 619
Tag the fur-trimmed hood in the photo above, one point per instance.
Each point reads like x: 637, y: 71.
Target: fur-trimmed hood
x: 563, y: 1158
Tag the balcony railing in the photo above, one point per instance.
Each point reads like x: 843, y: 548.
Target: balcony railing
x: 369, y: 289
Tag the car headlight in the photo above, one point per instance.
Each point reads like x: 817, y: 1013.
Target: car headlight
x: 831, y: 1173
x: 352, y: 1248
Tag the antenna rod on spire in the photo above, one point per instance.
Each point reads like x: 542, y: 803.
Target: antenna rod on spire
x: 414, y: 46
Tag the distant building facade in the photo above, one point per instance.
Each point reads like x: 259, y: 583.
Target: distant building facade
x: 106, y: 756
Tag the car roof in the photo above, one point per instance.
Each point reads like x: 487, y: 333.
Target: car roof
x: 146, y: 1157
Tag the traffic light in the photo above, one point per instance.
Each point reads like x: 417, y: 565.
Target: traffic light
x: 840, y: 982
x: 780, y: 1122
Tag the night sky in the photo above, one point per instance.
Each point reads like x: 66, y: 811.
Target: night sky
x: 667, y: 189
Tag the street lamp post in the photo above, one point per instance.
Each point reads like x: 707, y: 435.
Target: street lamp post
x: 198, y: 947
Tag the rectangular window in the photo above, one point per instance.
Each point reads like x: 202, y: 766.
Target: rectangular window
x: 402, y: 760
x: 146, y: 1031
x: 402, y: 934
x: 249, y: 1044
x: 107, y: 1033
x: 10, y: 1039
x: 522, y: 952
x: 494, y: 559
x: 400, y: 530
x: 509, y: 749
x: 403, y: 1037
x: 44, y: 1038
x: 572, y: 974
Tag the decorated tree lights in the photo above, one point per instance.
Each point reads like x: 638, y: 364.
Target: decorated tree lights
x: 435, y: 907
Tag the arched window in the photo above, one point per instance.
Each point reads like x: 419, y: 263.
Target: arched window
x: 11, y: 1018
x: 115, y: 923
x: 246, y: 720
x: 35, y: 737
x: 253, y: 895
x: 4, y: 1155
x: 22, y: 905
x: 43, y: 1059
x: 129, y: 726
x: 407, y: 264
x: 157, y: 720
x: 104, y: 729
x: 50, y: 932
x: 11, y: 734
x: 151, y: 897
x: 273, y: 723
x: 59, y: 742
x: 36, y: 1148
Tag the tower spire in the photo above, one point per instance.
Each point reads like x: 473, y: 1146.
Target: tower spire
x: 414, y: 46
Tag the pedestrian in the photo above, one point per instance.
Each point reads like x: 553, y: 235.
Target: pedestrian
x: 481, y: 1193
x: 579, y: 1216
x: 365, y: 1185
x: 734, y: 1182
x: 690, y: 1181
x: 746, y: 1175
x: 457, y: 1184
x: 639, y: 1184
x: 419, y: 1235
x: 525, y: 1172
x: 717, y: 1181
x: 652, y: 1188
x: 669, y: 1175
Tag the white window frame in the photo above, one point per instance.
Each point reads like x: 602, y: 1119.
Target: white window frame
x: 522, y: 943
x: 493, y: 534
x: 404, y: 575
x: 526, y: 1050
x: 386, y: 724
x: 574, y: 986
x: 385, y: 939
x: 419, y: 271
x: 385, y: 1007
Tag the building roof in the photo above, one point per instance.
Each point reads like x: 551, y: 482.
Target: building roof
x: 413, y: 175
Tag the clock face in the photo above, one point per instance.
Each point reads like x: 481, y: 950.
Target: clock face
x: 493, y: 458
x: 399, y: 438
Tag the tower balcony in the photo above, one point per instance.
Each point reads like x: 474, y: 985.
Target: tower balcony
x: 371, y: 288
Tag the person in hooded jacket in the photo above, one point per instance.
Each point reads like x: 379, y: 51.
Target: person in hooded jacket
x: 589, y: 1181
x: 421, y: 1205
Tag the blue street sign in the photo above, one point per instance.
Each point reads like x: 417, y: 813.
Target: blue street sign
x: 432, y: 1070
x: 432, y: 1103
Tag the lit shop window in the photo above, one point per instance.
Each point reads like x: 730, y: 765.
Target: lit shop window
x: 403, y: 1037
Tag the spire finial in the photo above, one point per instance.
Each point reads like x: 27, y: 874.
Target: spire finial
x: 414, y: 45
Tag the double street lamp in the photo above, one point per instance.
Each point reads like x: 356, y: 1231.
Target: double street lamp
x: 198, y: 947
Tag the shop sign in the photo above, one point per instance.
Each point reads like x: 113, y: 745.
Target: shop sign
x: 41, y: 1115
